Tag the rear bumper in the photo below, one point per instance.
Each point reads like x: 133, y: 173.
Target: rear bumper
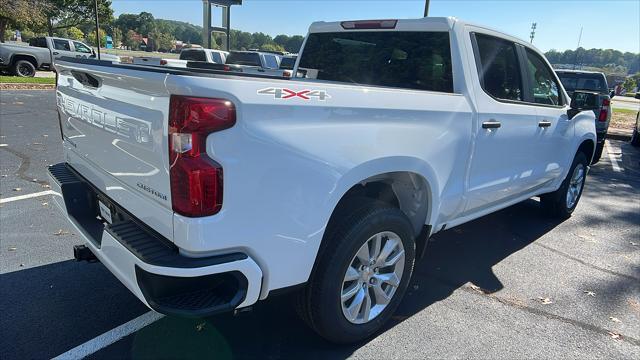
x: 151, y: 267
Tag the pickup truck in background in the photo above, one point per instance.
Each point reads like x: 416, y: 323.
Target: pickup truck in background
x: 256, y: 62
x: 573, y: 80
x: 24, y: 60
x: 206, y: 191
x: 186, y: 55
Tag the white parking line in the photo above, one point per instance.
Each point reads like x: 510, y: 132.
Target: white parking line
x: 28, y: 196
x: 110, y: 337
x: 612, y: 158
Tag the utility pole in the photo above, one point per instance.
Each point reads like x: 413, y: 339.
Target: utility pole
x: 533, y: 31
x: 575, y: 59
x: 97, y: 29
x: 426, y: 8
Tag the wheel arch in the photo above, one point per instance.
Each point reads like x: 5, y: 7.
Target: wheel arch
x: 30, y: 58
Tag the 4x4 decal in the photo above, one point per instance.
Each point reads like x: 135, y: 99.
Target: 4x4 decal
x: 284, y: 93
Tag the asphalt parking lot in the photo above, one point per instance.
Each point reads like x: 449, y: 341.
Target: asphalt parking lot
x: 513, y: 284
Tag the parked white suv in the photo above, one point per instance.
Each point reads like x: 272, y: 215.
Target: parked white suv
x: 207, y: 191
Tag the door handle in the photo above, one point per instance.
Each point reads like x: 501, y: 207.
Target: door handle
x: 56, y: 53
x: 544, y: 124
x: 491, y: 124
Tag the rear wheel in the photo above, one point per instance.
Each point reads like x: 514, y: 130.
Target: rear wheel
x: 361, y: 275
x: 24, y: 68
x: 598, y: 153
x: 562, y: 202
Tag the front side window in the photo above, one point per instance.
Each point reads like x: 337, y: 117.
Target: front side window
x: 402, y: 59
x: 543, y: 84
x: 82, y: 48
x: 498, y: 68
x: 61, y: 45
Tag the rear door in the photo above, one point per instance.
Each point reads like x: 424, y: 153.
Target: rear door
x: 61, y: 48
x: 504, y: 164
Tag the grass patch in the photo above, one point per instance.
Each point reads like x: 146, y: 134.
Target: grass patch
x: 29, y: 80
x: 624, y: 111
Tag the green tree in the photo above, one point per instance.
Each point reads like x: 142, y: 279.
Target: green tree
x: 21, y: 14
x: 272, y: 47
x: 91, y: 37
x: 75, y: 33
x: 68, y: 13
x: 130, y: 40
x: 631, y: 83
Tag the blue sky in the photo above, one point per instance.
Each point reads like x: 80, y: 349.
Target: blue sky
x: 607, y: 23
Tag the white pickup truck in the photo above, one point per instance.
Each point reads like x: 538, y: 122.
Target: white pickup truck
x: 207, y: 191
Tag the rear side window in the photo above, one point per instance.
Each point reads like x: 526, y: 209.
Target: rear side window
x: 241, y: 58
x: 498, y: 67
x: 584, y: 81
x: 402, y: 59
x: 217, y: 58
x: 38, y: 42
x: 61, y: 45
x: 544, y: 85
x: 193, y: 55
x: 270, y: 61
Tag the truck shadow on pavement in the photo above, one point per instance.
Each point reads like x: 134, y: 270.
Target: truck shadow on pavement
x: 273, y: 330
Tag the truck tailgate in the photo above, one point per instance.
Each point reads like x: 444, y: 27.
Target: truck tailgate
x: 114, y: 125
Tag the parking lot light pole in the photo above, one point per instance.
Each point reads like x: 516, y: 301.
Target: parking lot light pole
x: 97, y: 28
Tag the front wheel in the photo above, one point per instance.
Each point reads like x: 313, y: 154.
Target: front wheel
x: 562, y: 202
x: 362, y: 274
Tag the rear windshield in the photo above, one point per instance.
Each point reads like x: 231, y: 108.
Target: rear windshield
x: 287, y: 63
x: 412, y: 60
x: 241, y: 58
x: 583, y: 81
x: 193, y: 55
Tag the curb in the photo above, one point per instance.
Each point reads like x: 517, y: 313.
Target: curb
x: 26, y: 86
x: 619, y: 134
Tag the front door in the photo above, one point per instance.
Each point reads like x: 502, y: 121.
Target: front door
x: 555, y: 133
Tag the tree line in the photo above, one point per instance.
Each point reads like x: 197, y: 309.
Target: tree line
x: 608, y: 60
x: 75, y: 19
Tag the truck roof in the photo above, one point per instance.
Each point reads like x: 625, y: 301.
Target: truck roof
x: 578, y: 71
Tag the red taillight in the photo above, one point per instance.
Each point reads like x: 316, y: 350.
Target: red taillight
x: 196, y: 180
x: 369, y: 24
x: 604, y: 110
x: 163, y: 62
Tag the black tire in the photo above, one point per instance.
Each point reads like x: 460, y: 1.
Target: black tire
x: 319, y: 304
x: 635, y: 138
x: 555, y: 203
x: 24, y: 68
x: 598, y: 153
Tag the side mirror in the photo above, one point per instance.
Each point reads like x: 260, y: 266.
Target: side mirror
x: 612, y: 94
x: 583, y: 101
